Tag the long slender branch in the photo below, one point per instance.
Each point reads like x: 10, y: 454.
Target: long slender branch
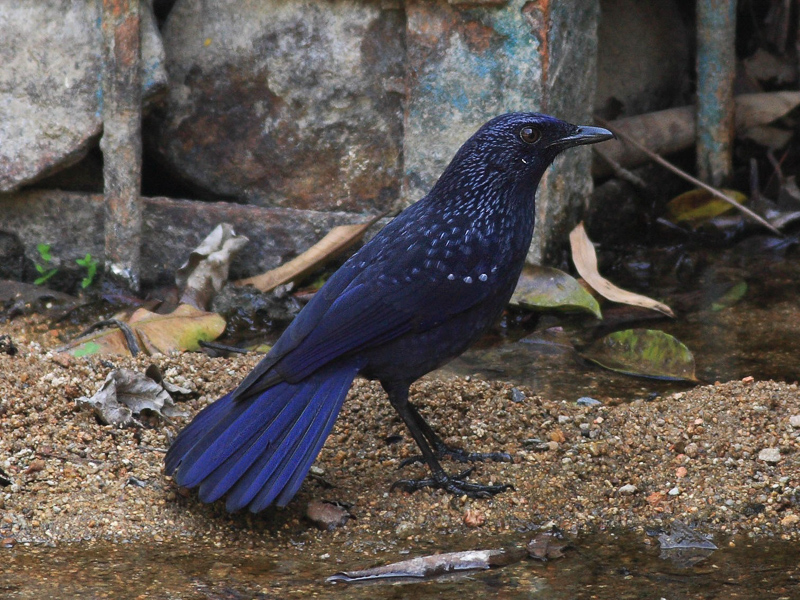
x: 680, y: 172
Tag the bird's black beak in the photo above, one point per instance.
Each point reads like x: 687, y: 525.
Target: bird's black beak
x: 583, y: 135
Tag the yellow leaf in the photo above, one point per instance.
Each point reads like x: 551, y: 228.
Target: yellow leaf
x: 700, y: 205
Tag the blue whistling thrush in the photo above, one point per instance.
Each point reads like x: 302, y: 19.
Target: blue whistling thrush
x: 411, y: 299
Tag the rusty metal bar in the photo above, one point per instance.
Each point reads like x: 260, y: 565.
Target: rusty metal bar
x: 122, y: 141
x: 716, y: 67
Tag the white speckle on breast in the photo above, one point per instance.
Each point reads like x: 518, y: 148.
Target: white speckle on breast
x: 483, y: 277
x: 451, y: 277
x: 467, y: 279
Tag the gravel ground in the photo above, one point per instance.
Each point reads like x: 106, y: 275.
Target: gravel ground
x: 725, y: 457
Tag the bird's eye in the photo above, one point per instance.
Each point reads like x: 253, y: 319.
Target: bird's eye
x: 529, y: 134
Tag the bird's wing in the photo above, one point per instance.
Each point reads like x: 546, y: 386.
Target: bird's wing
x: 384, y: 291
x: 374, y: 310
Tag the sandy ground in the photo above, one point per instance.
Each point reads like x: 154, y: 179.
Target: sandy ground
x: 724, y: 457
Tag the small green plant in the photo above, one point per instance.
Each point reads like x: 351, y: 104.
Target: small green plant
x: 90, y: 264
x: 45, y: 269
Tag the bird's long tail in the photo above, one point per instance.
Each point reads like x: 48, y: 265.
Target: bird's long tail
x: 258, y: 450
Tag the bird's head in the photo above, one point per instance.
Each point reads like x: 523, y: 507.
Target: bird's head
x: 518, y: 147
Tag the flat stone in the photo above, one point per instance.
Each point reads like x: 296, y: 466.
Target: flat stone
x: 770, y: 455
x: 287, y: 103
x: 72, y: 223
x: 794, y: 420
x: 50, y: 84
x: 628, y: 489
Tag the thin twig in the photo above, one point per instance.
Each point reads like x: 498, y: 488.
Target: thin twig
x: 222, y: 347
x: 620, y: 171
x: 665, y: 163
x: 127, y: 332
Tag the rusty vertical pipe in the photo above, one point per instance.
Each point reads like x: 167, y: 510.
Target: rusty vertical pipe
x: 716, y: 66
x: 122, y: 141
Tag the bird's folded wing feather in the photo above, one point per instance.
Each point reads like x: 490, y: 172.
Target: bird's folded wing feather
x: 363, y: 308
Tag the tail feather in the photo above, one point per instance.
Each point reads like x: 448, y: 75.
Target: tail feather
x: 257, y: 454
x: 293, y: 450
x: 202, y: 421
x: 260, y: 449
x: 237, y: 428
x: 305, y: 461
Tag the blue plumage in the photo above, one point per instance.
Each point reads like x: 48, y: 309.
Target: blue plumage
x: 417, y: 295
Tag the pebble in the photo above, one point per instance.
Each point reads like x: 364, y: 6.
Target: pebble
x: 770, y: 455
x: 326, y: 515
x: 588, y: 401
x: 794, y: 421
x: 711, y: 431
x: 474, y: 518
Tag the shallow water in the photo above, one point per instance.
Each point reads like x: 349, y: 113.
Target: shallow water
x: 602, y: 566
x: 757, y: 336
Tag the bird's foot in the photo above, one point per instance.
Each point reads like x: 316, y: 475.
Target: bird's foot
x: 453, y: 484
x: 457, y: 454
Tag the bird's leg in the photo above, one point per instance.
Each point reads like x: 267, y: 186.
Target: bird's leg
x: 442, y: 450
x: 454, y: 484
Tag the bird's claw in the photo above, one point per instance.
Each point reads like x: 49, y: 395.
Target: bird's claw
x: 458, y: 455
x: 453, y: 484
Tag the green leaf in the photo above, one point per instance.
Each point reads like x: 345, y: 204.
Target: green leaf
x: 44, y: 252
x: 87, y: 349
x: 644, y: 353
x: 543, y: 288
x: 45, y: 275
x: 91, y: 269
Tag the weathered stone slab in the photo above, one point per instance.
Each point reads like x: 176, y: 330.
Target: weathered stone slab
x: 50, y: 84
x: 465, y: 66
x: 286, y: 102
x: 468, y: 63
x: 73, y: 224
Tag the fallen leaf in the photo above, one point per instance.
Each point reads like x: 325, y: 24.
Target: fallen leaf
x: 547, y: 288
x: 206, y: 271
x: 585, y: 259
x: 760, y: 109
x: 126, y: 393
x: 332, y: 245
x: 644, y: 353
x: 180, y: 330
x: 697, y: 206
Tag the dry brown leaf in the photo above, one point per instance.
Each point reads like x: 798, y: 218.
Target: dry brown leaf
x: 180, y: 330
x: 334, y: 243
x: 585, y: 259
x: 760, y: 109
x: 203, y: 275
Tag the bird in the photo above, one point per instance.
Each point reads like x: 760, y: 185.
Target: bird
x: 415, y: 296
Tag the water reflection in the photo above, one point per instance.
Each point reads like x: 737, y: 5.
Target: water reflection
x: 601, y: 566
